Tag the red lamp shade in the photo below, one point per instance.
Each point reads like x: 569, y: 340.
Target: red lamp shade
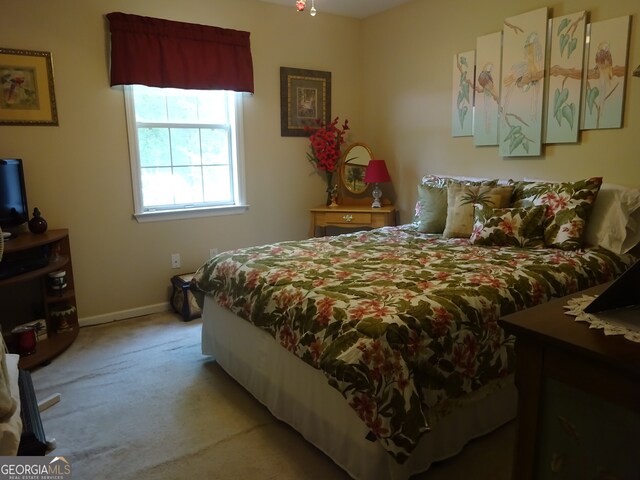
x: 377, y: 172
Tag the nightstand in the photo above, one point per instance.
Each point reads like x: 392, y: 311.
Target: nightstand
x: 579, y: 396
x: 351, y: 216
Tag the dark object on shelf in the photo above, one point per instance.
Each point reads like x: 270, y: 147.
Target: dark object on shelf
x: 33, y: 441
x: 22, y: 262
x: 182, y: 299
x: 37, y: 224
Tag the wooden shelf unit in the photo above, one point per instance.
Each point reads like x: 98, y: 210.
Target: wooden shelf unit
x: 24, y: 308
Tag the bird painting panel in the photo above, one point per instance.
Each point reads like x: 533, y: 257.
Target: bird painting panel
x: 522, y: 84
x: 566, y: 54
x: 487, y: 86
x: 606, y: 71
x: 462, y: 98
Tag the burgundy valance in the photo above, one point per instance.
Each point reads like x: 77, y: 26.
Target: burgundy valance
x: 164, y: 53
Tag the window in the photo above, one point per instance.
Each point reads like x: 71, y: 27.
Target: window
x: 185, y: 151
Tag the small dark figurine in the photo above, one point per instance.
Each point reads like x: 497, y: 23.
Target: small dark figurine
x: 37, y: 224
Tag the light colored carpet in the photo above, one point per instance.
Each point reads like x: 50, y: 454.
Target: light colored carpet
x: 140, y: 401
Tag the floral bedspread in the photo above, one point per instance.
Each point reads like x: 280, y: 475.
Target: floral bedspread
x: 399, y: 322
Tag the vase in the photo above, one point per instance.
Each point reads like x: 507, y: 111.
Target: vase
x: 329, y: 187
x: 37, y: 224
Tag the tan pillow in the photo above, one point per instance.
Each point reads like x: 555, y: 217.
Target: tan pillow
x: 461, y: 200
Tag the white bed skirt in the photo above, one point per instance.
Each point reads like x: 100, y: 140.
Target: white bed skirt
x: 300, y: 395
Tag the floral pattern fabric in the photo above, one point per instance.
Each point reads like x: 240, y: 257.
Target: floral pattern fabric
x: 399, y: 322
x: 515, y: 227
x: 569, y: 207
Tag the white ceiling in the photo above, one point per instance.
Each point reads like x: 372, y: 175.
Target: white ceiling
x: 347, y: 8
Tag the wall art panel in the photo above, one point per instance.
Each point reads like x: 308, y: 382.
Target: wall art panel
x: 606, y: 69
x: 522, y: 84
x: 567, y: 38
x: 462, y: 98
x: 487, y: 86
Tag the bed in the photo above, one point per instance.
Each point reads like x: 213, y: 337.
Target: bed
x: 382, y: 348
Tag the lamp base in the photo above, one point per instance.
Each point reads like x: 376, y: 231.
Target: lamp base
x: 377, y: 195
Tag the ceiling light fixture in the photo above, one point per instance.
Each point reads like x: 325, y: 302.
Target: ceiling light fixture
x: 301, y: 4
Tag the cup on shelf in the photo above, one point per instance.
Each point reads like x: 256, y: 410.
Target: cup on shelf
x: 62, y: 315
x: 58, y: 281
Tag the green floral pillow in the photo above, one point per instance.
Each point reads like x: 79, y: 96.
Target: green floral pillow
x: 514, y: 227
x: 461, y: 199
x: 569, y: 207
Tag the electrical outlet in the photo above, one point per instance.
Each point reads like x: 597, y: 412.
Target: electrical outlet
x: 213, y: 252
x: 175, y: 260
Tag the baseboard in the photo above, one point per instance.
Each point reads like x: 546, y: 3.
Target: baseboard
x: 123, y: 314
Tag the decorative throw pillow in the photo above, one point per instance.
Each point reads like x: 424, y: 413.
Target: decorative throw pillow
x: 431, y: 210
x: 515, y: 227
x: 444, y: 180
x: 569, y: 207
x: 441, y: 181
x: 461, y: 199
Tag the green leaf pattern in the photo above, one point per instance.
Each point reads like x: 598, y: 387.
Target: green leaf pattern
x: 464, y: 99
x: 569, y: 206
x: 401, y: 323
x: 515, y: 227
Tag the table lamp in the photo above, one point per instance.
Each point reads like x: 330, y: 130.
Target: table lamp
x: 376, y: 173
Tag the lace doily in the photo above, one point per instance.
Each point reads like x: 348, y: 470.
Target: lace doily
x: 575, y: 307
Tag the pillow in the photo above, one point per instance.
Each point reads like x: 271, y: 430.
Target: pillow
x: 615, y: 219
x: 461, y: 199
x: 441, y: 181
x: 431, y: 209
x: 444, y: 180
x: 569, y: 207
x: 515, y: 227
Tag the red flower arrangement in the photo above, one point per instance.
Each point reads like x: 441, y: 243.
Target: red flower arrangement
x: 325, y: 144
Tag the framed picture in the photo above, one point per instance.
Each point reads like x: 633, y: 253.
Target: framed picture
x: 26, y: 88
x: 305, y: 97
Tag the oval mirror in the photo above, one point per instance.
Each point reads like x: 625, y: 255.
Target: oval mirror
x: 354, y: 164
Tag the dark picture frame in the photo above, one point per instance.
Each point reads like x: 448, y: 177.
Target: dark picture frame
x: 27, y: 95
x: 305, y: 97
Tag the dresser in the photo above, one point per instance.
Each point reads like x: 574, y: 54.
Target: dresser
x: 350, y: 216
x: 579, y: 396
